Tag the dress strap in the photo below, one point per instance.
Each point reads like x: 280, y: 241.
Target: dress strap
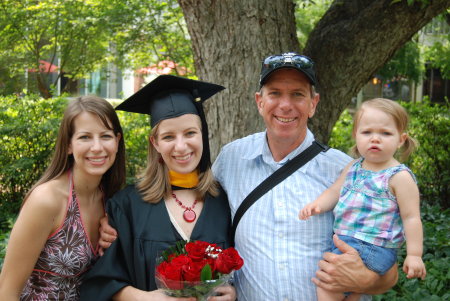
x: 70, y: 175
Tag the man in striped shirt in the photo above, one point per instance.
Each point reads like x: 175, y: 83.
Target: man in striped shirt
x: 281, y: 253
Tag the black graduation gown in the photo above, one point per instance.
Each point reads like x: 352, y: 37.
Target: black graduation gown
x: 144, y: 230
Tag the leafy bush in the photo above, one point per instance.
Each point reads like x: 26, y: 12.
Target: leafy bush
x: 28, y: 128
x: 341, y: 136
x: 430, y: 124
x: 136, y: 128
x: 436, y: 254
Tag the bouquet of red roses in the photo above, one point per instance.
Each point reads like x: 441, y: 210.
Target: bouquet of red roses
x: 194, y: 269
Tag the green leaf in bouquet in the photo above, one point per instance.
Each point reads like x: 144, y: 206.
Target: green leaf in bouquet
x: 206, y: 273
x: 177, y: 249
x: 180, y: 247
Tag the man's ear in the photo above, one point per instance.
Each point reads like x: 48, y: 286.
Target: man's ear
x: 314, y: 102
x: 259, y: 101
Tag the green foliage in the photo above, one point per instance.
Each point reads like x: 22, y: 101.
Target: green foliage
x: 28, y: 129
x: 4, y: 237
x: 73, y: 35
x: 177, y: 249
x: 430, y: 124
x: 436, y: 259
x: 431, y: 164
x: 155, y: 31
x: 83, y: 36
x: 341, y: 135
x: 406, y: 63
x: 307, y: 14
x: 136, y: 128
x: 438, y: 55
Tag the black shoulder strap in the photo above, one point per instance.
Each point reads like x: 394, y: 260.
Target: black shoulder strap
x: 274, y: 179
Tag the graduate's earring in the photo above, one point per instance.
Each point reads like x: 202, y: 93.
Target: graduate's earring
x: 160, y: 160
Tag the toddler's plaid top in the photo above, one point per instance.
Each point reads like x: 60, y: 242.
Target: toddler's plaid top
x: 367, y: 210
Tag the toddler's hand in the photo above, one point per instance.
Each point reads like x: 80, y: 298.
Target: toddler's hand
x: 309, y: 210
x: 414, y: 267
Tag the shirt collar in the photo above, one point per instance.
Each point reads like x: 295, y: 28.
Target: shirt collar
x: 261, y: 149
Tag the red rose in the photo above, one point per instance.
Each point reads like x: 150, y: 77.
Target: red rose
x: 170, y: 275
x: 192, y: 271
x: 180, y: 260
x: 229, y: 260
x: 196, y: 250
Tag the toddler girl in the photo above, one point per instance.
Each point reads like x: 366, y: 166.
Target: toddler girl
x: 376, y: 198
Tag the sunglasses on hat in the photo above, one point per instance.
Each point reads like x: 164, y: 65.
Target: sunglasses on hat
x: 287, y: 60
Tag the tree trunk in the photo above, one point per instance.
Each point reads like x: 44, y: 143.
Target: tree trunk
x: 229, y: 39
x: 351, y: 42
x: 42, y: 86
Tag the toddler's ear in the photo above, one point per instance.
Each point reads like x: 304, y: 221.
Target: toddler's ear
x: 403, y: 138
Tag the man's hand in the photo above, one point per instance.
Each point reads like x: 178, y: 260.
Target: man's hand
x: 107, y: 235
x: 345, y: 272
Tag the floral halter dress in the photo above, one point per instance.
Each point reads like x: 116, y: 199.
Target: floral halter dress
x: 67, y: 255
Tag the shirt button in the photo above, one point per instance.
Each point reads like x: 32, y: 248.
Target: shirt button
x: 281, y: 266
x: 281, y: 204
x: 285, y: 299
x: 280, y: 235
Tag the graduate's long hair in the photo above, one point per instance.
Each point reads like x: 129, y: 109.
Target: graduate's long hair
x: 154, y: 182
x: 62, y: 161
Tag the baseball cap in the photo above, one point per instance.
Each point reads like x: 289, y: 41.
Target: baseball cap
x: 294, y: 60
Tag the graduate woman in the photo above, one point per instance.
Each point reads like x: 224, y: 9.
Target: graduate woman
x: 54, y: 240
x: 175, y: 198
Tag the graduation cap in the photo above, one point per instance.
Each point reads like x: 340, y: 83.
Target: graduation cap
x: 170, y: 96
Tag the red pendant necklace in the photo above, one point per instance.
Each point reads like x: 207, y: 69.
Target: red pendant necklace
x: 188, y: 214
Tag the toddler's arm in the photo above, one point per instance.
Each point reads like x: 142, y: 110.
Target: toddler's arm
x: 407, y: 194
x: 327, y: 200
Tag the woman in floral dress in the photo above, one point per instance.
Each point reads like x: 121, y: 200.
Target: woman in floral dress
x: 54, y: 240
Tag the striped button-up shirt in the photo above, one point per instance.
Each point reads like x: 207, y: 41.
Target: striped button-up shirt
x: 280, y: 251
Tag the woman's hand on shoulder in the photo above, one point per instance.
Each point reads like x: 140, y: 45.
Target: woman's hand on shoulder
x: 107, y: 235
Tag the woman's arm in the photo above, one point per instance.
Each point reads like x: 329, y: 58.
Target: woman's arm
x: 38, y: 218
